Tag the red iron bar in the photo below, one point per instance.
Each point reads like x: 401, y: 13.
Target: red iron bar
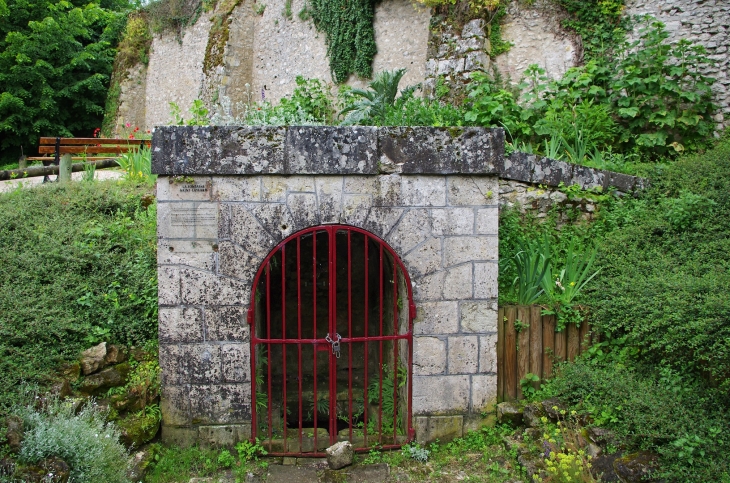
x: 321, y: 372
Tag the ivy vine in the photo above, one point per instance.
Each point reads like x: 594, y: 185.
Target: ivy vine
x: 600, y: 24
x: 348, y: 26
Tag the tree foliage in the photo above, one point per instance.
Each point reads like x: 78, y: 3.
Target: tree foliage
x: 56, y: 58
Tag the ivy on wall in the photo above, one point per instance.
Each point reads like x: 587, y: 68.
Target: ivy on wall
x: 600, y: 24
x: 348, y: 26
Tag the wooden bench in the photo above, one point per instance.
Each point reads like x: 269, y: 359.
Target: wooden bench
x: 62, y: 151
x: 111, y: 147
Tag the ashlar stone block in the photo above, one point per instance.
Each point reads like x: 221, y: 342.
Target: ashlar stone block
x: 477, y: 317
x: 462, y: 249
x: 413, y: 228
x: 206, y: 288
x: 329, y: 196
x: 274, y: 189
x: 429, y: 356
x: 180, y: 325
x: 488, y: 353
x: 227, y: 435
x: 458, y: 283
x: 423, y: 191
x: 483, y: 392
x: 435, y: 318
x: 487, y: 222
x: 175, y: 405
x: 168, y: 285
x: 220, y: 403
x: 471, y: 190
x: 442, y: 428
x: 452, y: 221
x: 247, y: 232
x: 235, y: 362
x: 485, y: 280
x: 434, y: 395
x: 428, y: 287
x: 426, y: 258
x: 463, y: 354
x: 230, y: 188
x: 226, y: 323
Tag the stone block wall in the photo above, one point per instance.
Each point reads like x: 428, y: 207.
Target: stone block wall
x: 227, y: 196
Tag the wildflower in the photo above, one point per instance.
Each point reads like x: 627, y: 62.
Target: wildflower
x: 131, y: 136
x: 127, y: 125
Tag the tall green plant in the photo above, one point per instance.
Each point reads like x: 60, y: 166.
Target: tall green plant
x: 532, y: 263
x: 371, y: 104
x: 565, y: 283
x: 137, y: 164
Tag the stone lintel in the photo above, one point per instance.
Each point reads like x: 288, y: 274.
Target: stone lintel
x: 345, y: 150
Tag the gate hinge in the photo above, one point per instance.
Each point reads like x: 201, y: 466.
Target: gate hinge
x: 412, y: 308
x: 250, y: 316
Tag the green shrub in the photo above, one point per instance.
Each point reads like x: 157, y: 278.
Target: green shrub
x: 665, y: 268
x: 652, y: 408
x: 79, y: 266
x: 83, y: 439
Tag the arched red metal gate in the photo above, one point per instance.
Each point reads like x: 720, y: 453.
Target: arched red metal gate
x: 331, y: 319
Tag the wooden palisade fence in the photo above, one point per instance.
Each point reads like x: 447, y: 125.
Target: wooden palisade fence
x: 528, y: 343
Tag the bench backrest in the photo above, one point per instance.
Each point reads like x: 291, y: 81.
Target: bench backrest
x: 59, y: 146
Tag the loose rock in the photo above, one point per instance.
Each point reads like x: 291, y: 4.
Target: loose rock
x: 509, y: 412
x: 115, y: 376
x: 93, y: 359
x: 115, y: 354
x: 531, y: 415
x: 339, y: 455
x: 14, y: 433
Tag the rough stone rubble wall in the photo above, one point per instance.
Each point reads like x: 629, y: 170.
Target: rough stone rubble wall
x: 706, y: 22
x: 214, y: 232
x: 286, y: 48
x: 264, y: 53
x: 268, y: 51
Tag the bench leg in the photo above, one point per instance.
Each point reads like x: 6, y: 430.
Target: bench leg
x: 46, y: 178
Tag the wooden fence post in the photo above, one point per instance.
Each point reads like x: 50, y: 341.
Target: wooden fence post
x: 23, y: 162
x: 64, y: 169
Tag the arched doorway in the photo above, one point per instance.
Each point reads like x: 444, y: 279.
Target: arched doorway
x: 331, y: 319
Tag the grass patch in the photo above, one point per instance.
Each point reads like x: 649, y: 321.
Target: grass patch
x: 78, y: 266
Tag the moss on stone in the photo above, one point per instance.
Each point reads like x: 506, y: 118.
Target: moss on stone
x: 138, y: 429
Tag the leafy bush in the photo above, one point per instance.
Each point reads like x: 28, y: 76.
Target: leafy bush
x: 79, y: 266
x: 652, y: 408
x: 665, y: 268
x: 83, y: 439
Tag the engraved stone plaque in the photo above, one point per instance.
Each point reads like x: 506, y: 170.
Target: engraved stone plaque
x: 189, y: 220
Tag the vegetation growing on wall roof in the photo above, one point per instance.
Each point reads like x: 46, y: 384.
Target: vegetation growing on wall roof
x: 348, y: 26
x: 174, y: 15
x: 218, y: 35
x: 458, y: 12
